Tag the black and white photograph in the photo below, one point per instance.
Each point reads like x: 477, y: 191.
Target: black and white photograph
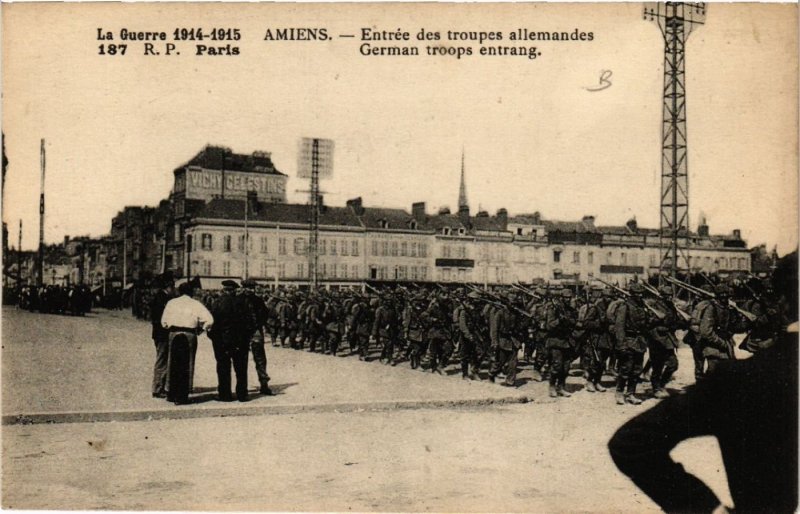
x: 400, y: 257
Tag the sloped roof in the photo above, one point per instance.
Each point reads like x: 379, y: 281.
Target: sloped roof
x: 488, y: 224
x: 213, y: 158
x: 440, y: 221
x: 233, y: 209
x: 398, y: 219
x: 568, y: 226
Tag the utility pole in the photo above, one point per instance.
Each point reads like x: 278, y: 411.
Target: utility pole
x: 19, y: 259
x: 676, y: 21
x: 125, y: 251
x: 246, y: 236
x: 40, y: 264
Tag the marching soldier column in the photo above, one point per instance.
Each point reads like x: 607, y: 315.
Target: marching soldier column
x: 607, y: 330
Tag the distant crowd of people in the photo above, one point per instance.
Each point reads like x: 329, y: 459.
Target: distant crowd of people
x: 57, y: 299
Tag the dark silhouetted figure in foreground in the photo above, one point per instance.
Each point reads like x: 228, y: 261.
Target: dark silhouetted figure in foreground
x: 750, y: 406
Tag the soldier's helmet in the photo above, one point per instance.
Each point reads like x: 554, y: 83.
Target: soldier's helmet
x: 722, y: 290
x: 636, y: 288
x: 249, y: 283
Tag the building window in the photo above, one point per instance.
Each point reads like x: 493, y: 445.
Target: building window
x: 300, y: 269
x: 323, y: 270
x: 608, y: 257
x: 462, y: 252
x: 344, y: 248
x: 423, y: 249
x: 207, y: 242
x: 333, y: 270
x: 226, y: 268
x: 374, y: 248
x: 384, y: 248
x: 333, y: 247
x: 446, y: 251
x: 413, y: 249
x: 282, y: 270
x: 590, y: 258
x: 177, y: 232
x: 446, y: 231
x: 226, y: 244
x: 394, y: 249
x: 556, y: 255
x: 354, y: 270
x: 413, y: 225
x: 207, y: 268
x: 344, y: 270
x: 323, y: 247
x: 462, y: 231
x: 423, y: 273
x: 576, y: 257
x: 282, y: 246
x: 653, y: 260
x: 263, y: 268
x: 354, y: 249
x: 446, y: 274
x: 402, y: 272
x: 264, y: 246
x: 623, y: 259
x: 240, y: 244
x: 299, y: 246
x: 403, y: 249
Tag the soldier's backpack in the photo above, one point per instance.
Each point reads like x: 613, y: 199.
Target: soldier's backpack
x: 697, y: 315
x: 611, y: 310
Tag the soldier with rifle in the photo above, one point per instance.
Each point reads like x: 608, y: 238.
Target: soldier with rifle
x: 384, y: 328
x: 470, y: 335
x: 505, y: 344
x: 435, y: 319
x: 413, y: 329
x: 662, y: 343
x: 631, y: 324
x: 592, y: 317
x: 333, y: 323
x: 560, y: 321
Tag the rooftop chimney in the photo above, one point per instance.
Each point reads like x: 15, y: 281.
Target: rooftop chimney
x: 356, y: 205
x: 632, y: 225
x: 737, y: 233
x: 502, y: 216
x: 589, y: 220
x: 702, y: 228
x: 418, y: 211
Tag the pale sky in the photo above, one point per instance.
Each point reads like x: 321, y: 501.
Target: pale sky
x: 535, y: 138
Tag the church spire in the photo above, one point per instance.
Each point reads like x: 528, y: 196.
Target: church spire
x: 462, y: 190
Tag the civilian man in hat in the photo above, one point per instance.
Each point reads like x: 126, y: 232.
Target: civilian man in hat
x: 234, y: 324
x: 259, y: 310
x: 160, y: 335
x: 184, y: 318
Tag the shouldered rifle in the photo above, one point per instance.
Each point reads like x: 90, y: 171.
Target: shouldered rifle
x: 705, y: 294
x: 653, y: 291
x: 658, y: 314
x: 527, y: 291
x: 498, y: 301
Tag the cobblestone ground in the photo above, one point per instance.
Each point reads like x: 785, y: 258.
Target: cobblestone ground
x: 544, y: 456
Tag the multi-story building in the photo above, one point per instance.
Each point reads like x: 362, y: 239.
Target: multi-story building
x: 200, y: 231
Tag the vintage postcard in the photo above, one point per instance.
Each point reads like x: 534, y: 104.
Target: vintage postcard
x: 400, y: 257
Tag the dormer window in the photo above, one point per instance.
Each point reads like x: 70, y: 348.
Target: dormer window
x: 384, y: 223
x: 462, y: 231
x: 413, y: 224
x: 446, y: 231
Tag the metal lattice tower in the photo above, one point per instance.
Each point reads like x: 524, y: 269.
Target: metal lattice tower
x: 676, y: 21
x: 313, y: 246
